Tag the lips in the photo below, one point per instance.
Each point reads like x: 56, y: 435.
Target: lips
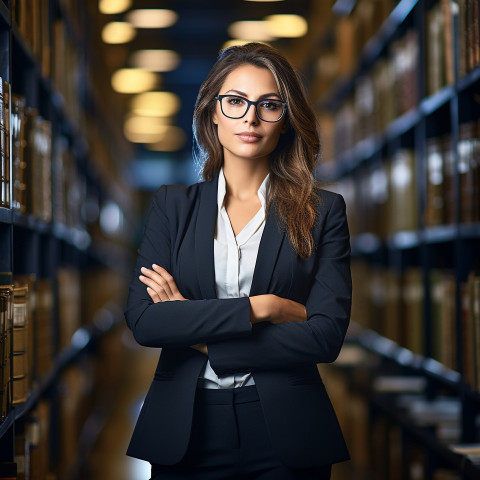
x: 249, y: 137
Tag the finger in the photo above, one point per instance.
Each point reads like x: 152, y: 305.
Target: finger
x: 159, y: 280
x: 153, y: 294
x: 158, y: 289
x: 170, y: 281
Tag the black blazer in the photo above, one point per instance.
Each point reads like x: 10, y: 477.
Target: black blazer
x: 179, y: 236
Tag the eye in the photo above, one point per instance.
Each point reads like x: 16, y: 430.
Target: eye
x: 271, y: 105
x: 235, y: 101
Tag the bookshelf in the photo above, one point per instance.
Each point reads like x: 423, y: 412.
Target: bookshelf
x: 401, y: 127
x: 63, y: 276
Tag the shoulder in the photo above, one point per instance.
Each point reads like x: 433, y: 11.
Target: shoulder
x: 174, y: 196
x: 328, y: 201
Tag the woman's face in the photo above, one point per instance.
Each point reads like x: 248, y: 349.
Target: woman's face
x: 248, y: 137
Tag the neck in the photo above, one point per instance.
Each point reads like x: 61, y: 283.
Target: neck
x: 243, y: 179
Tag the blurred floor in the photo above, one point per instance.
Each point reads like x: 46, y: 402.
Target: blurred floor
x: 108, y: 460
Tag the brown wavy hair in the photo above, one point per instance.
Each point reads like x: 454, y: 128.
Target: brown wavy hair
x: 292, y: 187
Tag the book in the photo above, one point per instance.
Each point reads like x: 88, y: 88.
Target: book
x: 20, y: 353
x: 413, y: 297
x: 44, y: 339
x: 435, y: 196
x: 19, y: 178
x: 69, y: 304
x: 6, y: 326
x: 403, y: 203
x: 4, y: 144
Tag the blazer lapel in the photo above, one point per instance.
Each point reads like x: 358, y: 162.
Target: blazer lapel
x: 268, y: 250
x: 204, y: 235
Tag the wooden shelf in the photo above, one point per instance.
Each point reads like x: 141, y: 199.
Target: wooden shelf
x: 82, y: 339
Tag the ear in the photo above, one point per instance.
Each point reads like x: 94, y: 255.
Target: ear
x: 215, y: 117
x: 284, y: 126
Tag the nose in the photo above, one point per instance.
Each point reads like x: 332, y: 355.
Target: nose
x: 251, y: 115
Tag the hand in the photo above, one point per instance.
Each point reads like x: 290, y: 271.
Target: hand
x: 274, y: 309
x: 160, y: 284
x: 201, y: 347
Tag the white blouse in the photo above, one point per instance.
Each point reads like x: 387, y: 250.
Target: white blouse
x: 235, y: 258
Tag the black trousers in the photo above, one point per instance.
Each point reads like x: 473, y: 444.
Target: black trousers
x: 230, y: 441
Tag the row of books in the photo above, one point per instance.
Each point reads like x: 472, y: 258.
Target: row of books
x: 35, y: 190
x: 393, y: 304
x: 387, y: 91
x: 442, y: 167
x: 383, y: 197
x: 52, y: 42
x: 452, y: 41
x: 378, y: 446
x: 29, y: 333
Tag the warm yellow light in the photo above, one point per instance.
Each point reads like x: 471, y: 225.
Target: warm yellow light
x: 155, y: 104
x: 133, y: 80
x: 155, y: 60
x: 152, y: 18
x: 118, y: 32
x: 113, y: 6
x: 254, y: 30
x: 139, y: 125
x: 173, y: 140
x: 291, y: 26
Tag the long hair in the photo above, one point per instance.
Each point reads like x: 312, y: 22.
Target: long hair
x: 292, y: 187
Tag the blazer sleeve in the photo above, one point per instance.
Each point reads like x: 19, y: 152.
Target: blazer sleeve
x: 177, y: 323
x: 320, y: 338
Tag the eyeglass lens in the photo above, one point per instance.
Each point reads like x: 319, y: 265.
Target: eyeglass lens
x: 267, y: 110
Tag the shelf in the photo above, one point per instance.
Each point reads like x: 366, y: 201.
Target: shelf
x: 371, y: 51
x: 426, y: 437
x: 390, y: 350
x: 5, y: 17
x: 440, y: 234
x: 436, y: 101
x: 404, y: 240
x: 402, y: 124
x: 23, y: 46
x: 76, y: 237
x: 5, y: 215
x: 469, y: 79
x: 81, y: 340
x: 30, y: 222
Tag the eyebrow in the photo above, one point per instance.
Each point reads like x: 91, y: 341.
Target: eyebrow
x: 243, y: 94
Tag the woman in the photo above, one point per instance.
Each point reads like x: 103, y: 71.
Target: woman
x: 244, y: 281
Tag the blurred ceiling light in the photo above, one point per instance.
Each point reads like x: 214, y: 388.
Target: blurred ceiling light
x: 152, y: 18
x: 155, y: 104
x: 155, y: 60
x: 133, y: 80
x: 137, y: 125
x: 250, y: 30
x: 113, y: 6
x: 173, y: 140
x: 118, y: 32
x: 291, y: 26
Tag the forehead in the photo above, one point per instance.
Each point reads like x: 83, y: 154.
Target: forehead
x: 251, y: 80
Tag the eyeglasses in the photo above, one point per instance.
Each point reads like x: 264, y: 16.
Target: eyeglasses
x: 267, y: 109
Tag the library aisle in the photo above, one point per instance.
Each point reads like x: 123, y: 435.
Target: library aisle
x: 108, y: 459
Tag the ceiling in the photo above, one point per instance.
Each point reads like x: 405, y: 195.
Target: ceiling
x: 197, y: 36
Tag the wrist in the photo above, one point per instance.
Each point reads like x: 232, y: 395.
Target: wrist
x: 260, y: 308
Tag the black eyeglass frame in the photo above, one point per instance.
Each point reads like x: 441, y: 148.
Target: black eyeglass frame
x: 250, y: 103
